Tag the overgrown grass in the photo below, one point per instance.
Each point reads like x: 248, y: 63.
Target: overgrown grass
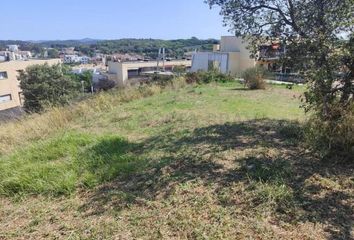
x: 206, y: 161
x: 40, y: 126
x: 64, y: 163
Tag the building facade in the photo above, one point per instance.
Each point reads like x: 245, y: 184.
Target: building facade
x: 121, y: 72
x: 230, y: 57
x: 10, y: 92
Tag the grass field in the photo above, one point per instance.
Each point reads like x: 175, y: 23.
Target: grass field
x: 210, y: 161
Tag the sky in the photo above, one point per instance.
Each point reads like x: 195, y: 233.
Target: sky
x: 108, y: 19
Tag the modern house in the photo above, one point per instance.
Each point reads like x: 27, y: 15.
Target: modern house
x: 10, y: 92
x: 232, y: 57
x: 121, y: 72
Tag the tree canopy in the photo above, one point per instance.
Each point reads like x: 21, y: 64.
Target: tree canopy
x: 45, y: 85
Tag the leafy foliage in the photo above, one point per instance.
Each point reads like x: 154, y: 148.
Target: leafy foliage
x: 44, y: 85
x: 150, y: 47
x: 327, y: 136
x: 254, y: 78
x: 105, y: 84
x: 53, y: 53
x: 147, y: 47
x: 207, y: 77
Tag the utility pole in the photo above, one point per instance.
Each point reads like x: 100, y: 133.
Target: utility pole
x: 158, y: 60
x: 161, y: 56
x: 163, y: 59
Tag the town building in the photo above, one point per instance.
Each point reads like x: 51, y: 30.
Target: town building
x: 230, y: 57
x: 10, y: 92
x: 69, y: 59
x: 122, y: 72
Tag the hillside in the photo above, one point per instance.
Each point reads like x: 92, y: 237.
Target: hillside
x: 213, y: 161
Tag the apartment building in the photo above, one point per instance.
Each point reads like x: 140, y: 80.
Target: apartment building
x: 10, y: 92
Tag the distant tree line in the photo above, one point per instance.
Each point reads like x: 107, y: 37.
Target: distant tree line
x: 145, y: 47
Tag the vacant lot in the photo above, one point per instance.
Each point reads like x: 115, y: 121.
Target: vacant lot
x: 198, y: 162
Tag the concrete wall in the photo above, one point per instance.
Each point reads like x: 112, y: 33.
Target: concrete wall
x: 235, y: 44
x: 234, y: 63
x: 10, y: 85
x: 230, y: 44
x: 200, y: 61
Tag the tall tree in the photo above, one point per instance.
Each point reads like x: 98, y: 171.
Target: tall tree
x: 319, y: 38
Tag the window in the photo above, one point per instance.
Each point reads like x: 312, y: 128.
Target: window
x: 3, y: 75
x: 5, y: 98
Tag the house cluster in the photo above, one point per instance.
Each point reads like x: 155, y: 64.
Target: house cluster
x: 76, y: 59
x: 70, y: 56
x: 13, y: 53
x: 125, y: 57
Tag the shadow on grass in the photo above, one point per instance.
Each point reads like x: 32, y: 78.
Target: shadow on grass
x: 290, y: 177
x: 241, y: 89
x: 107, y: 159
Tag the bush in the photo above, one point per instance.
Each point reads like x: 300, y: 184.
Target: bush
x: 207, y: 77
x: 194, y: 77
x: 333, y: 139
x: 161, y: 80
x: 254, y: 78
x: 105, y: 84
x: 45, y: 85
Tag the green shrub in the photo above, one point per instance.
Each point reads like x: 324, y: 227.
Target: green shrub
x: 45, y: 85
x: 254, y: 78
x: 105, y: 84
x: 161, y: 80
x: 333, y: 139
x: 208, y: 77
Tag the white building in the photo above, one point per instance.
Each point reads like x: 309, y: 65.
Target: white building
x: 76, y: 59
x: 84, y: 60
x: 231, y: 57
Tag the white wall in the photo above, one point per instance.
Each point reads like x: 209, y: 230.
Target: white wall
x: 200, y: 61
x: 232, y: 45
